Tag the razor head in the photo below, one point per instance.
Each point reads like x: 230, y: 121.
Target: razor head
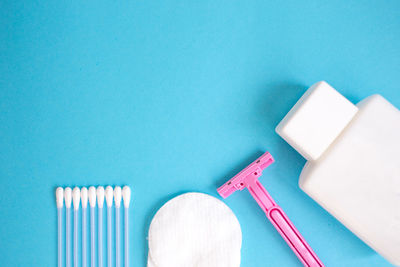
x: 247, y: 176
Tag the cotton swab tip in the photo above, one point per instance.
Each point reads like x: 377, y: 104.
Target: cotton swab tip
x: 60, y: 197
x: 92, y: 196
x: 84, y: 197
x: 126, y: 195
x: 76, y: 197
x: 100, y: 196
x: 68, y: 197
x: 117, y: 196
x: 109, y: 196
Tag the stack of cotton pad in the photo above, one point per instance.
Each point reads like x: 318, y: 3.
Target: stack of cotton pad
x: 194, y: 229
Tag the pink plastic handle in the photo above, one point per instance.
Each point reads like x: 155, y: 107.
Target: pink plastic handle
x: 283, y: 225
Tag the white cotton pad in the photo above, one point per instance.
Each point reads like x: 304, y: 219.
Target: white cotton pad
x: 194, y: 230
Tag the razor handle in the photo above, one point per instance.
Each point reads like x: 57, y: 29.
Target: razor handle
x: 283, y: 225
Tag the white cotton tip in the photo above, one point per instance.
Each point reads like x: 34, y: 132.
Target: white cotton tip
x: 59, y: 197
x: 92, y: 196
x: 84, y: 197
x: 68, y: 197
x: 109, y: 195
x: 76, y: 197
x: 100, y: 196
x: 126, y: 195
x: 117, y: 196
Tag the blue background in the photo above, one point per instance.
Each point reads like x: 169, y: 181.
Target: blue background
x: 177, y: 96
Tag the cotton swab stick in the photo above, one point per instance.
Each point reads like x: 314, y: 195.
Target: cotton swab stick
x: 84, y: 199
x: 60, y: 203
x: 126, y: 195
x: 100, y: 202
x: 117, y: 199
x: 76, y: 197
x: 68, y: 200
x: 109, y: 201
x: 92, y: 203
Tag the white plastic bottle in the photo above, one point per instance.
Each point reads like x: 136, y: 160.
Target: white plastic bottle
x: 353, y: 167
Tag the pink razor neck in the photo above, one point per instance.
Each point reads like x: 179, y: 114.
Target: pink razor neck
x: 248, y: 178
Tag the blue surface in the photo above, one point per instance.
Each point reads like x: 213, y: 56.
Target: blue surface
x: 176, y: 96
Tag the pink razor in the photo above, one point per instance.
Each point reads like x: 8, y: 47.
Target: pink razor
x: 249, y: 178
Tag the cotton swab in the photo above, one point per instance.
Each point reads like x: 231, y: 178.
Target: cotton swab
x: 100, y: 202
x: 68, y: 200
x: 76, y: 197
x: 91, y: 195
x: 109, y: 201
x: 117, y: 199
x: 92, y: 203
x: 84, y: 199
x: 126, y: 195
x: 60, y: 203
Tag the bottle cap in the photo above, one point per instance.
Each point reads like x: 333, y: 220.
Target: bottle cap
x: 316, y: 120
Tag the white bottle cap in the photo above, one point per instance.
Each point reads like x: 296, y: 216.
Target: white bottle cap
x: 76, y: 197
x: 316, y: 120
x: 100, y: 196
x: 84, y: 197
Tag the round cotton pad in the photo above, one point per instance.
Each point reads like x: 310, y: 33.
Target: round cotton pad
x: 194, y: 230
